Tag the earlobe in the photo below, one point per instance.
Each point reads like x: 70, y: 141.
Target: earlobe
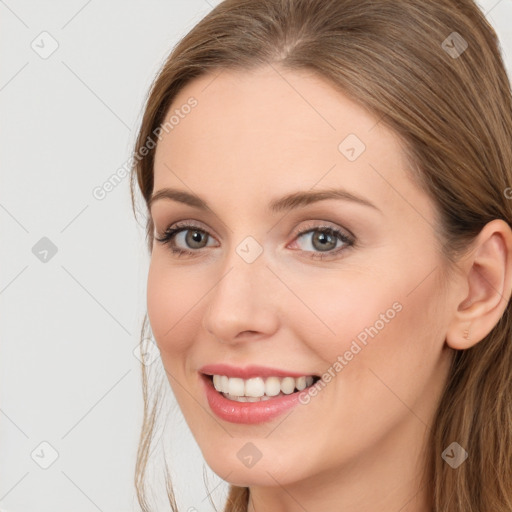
x: 486, y: 286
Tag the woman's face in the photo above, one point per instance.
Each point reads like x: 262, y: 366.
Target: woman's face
x: 371, y: 314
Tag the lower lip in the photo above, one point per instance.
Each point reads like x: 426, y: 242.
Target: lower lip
x: 247, y: 412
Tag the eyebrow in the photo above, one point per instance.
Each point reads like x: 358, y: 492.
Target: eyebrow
x: 288, y: 202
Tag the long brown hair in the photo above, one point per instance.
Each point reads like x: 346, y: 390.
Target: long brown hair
x: 432, y: 71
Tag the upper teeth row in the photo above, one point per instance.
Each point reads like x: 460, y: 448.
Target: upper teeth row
x: 258, y: 387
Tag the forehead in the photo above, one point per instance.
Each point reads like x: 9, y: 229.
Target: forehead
x: 275, y: 129
x: 280, y: 108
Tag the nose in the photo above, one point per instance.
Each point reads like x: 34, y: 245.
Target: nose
x: 243, y: 305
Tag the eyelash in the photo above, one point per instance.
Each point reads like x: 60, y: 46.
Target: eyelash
x: 168, y: 238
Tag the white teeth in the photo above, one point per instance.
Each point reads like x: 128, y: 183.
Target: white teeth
x: 236, y: 387
x: 301, y: 383
x: 246, y: 398
x: 224, y: 383
x: 256, y: 388
x: 272, y: 386
x: 288, y: 385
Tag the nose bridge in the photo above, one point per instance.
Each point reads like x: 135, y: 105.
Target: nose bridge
x: 243, y: 274
x: 241, y: 299
x: 244, y: 265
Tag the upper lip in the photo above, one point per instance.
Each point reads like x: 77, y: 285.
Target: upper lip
x: 248, y: 372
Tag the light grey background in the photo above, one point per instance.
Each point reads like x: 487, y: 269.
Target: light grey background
x: 69, y: 326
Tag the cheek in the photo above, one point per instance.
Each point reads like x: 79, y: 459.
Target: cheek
x: 391, y: 326
x: 339, y: 310
x: 173, y: 305
x: 382, y: 362
x: 158, y: 300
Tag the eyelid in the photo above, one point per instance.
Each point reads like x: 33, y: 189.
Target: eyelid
x: 184, y: 223
x: 319, y: 224
x: 310, y: 225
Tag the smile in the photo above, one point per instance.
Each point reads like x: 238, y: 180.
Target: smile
x: 259, y: 388
x: 238, y: 406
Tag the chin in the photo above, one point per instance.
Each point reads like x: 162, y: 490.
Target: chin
x: 265, y: 472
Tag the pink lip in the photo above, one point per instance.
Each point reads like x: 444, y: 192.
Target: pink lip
x: 247, y: 412
x: 248, y: 372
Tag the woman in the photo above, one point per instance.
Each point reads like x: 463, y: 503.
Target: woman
x: 326, y: 183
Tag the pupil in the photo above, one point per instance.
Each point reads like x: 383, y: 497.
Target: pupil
x: 194, y: 237
x: 323, y: 238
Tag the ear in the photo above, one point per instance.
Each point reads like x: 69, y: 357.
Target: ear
x: 485, y: 286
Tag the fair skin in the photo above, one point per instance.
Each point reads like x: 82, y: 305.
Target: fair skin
x: 358, y: 445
